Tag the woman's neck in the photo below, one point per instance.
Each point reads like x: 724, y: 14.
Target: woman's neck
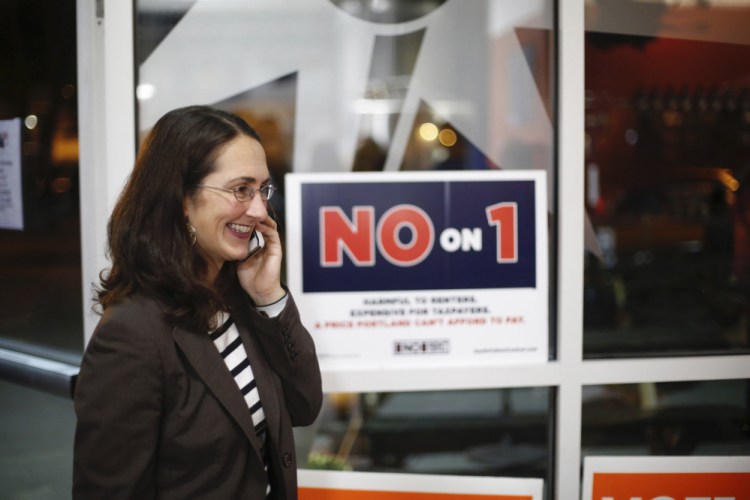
x: 211, y: 278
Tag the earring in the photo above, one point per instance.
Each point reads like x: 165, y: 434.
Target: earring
x: 192, y: 235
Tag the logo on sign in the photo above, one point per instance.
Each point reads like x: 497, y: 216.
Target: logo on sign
x: 437, y: 346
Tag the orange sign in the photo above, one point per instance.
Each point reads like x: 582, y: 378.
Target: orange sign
x: 330, y: 494
x: 340, y: 485
x: 667, y: 478
x: 676, y: 486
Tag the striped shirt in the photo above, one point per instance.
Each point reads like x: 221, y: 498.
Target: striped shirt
x: 227, y: 340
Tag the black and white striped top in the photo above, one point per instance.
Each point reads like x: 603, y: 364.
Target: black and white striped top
x: 227, y: 340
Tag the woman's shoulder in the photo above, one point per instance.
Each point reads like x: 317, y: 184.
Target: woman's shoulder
x: 134, y: 307
x: 131, y: 337
x: 136, y: 315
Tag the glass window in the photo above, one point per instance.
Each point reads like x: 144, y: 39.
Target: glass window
x: 675, y: 418
x: 350, y: 86
x: 41, y: 310
x: 667, y: 178
x: 502, y: 432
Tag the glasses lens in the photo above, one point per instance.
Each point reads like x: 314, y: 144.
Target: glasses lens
x: 246, y: 193
x: 243, y: 193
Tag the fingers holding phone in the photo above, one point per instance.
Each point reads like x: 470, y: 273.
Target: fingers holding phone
x: 260, y: 272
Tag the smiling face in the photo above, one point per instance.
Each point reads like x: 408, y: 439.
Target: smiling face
x: 222, y: 224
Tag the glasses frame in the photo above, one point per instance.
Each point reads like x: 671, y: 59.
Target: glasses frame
x: 268, y: 189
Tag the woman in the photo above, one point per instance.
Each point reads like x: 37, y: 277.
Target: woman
x: 199, y: 366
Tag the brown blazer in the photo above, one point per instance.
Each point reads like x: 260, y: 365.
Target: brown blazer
x: 160, y: 416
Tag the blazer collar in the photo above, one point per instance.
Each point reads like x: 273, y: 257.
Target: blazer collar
x: 208, y: 364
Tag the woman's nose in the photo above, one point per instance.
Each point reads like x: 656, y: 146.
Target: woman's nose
x: 257, y: 207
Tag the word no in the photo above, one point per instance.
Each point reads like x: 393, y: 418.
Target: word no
x: 358, y: 237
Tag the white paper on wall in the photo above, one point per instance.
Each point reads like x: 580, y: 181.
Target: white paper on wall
x: 11, y: 196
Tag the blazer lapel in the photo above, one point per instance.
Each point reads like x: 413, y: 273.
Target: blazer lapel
x: 208, y: 364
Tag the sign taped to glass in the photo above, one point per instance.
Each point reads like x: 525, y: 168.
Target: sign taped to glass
x: 11, y: 193
x: 420, y: 268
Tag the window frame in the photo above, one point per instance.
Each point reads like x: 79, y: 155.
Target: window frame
x: 107, y: 131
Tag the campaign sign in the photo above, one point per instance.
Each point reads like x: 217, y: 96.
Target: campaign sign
x: 420, y: 268
x: 339, y: 485
x: 666, y: 478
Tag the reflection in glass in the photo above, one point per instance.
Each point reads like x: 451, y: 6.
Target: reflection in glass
x: 667, y: 172
x: 485, y: 69
x: 378, y: 11
x: 676, y: 418
x: 471, y: 432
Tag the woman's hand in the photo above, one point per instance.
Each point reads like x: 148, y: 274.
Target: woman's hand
x: 260, y: 275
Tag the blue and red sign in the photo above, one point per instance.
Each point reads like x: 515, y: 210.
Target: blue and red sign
x: 417, y: 269
x: 434, y: 235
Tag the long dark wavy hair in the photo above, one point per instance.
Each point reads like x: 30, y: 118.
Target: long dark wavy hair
x: 149, y: 245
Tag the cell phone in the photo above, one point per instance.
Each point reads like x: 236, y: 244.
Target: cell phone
x: 255, y: 244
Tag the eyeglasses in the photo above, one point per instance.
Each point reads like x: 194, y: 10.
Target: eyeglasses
x: 245, y: 193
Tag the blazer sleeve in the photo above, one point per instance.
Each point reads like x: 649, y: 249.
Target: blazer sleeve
x: 290, y: 351
x: 118, y: 401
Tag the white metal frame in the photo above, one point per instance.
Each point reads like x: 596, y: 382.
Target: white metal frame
x: 107, y: 138
x: 106, y: 127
